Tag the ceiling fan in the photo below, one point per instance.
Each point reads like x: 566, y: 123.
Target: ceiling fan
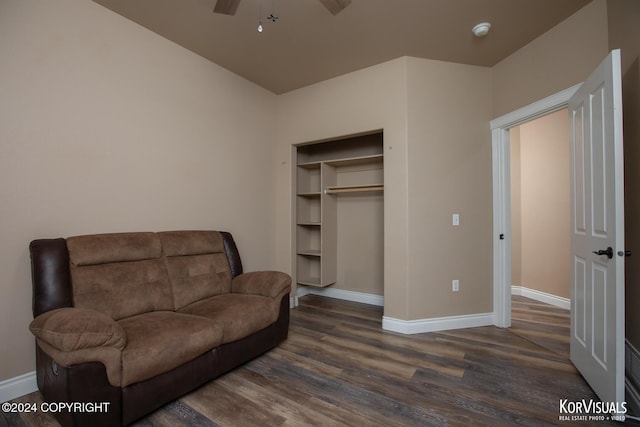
x: 229, y: 7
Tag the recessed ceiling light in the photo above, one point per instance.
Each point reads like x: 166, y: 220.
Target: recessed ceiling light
x: 481, y: 29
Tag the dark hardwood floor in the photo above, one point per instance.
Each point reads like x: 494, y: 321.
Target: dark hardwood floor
x: 339, y: 368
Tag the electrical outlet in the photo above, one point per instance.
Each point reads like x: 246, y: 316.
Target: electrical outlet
x: 455, y: 285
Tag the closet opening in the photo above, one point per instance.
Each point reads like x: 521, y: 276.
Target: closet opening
x: 338, y: 239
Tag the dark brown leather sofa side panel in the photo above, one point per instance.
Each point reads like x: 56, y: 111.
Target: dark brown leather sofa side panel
x: 233, y: 256
x: 51, y: 277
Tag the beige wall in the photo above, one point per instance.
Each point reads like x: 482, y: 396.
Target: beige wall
x: 624, y: 34
x: 373, y: 98
x: 436, y: 130
x: 105, y: 126
x: 544, y: 194
x: 449, y: 150
x: 560, y: 58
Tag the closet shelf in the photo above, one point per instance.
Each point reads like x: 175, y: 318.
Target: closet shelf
x: 309, y: 252
x: 359, y: 160
x: 353, y: 189
x: 346, y: 161
x: 312, y: 281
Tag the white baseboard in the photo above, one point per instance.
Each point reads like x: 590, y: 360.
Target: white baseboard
x: 353, y: 296
x: 542, y: 297
x: 18, y: 386
x: 436, y: 324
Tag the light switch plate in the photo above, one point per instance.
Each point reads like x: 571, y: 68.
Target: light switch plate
x: 455, y: 219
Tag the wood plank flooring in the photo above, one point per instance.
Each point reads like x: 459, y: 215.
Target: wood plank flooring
x: 339, y: 368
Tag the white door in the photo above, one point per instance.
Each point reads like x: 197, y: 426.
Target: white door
x: 597, y: 227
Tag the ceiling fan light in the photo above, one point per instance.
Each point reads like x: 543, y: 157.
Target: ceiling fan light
x: 481, y: 29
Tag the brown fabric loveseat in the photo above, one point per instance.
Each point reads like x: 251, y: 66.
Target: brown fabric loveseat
x: 131, y: 321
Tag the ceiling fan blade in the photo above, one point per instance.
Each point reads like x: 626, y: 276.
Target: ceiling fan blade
x: 227, y: 7
x: 334, y: 6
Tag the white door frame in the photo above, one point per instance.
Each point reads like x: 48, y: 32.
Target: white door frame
x: 502, y: 196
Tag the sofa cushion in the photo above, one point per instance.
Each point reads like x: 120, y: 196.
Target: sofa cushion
x: 96, y: 249
x: 70, y: 328
x: 120, y: 274
x: 197, y: 265
x: 163, y: 340
x: 239, y: 315
x: 271, y: 284
x: 190, y: 242
x: 122, y: 289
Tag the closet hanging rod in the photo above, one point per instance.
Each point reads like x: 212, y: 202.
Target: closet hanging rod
x: 353, y: 189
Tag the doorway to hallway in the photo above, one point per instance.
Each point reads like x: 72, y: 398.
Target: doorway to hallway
x: 540, y: 209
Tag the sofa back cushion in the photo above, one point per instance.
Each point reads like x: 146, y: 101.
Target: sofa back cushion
x: 197, y: 265
x: 119, y: 274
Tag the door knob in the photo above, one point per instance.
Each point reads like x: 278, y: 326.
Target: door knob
x: 608, y: 252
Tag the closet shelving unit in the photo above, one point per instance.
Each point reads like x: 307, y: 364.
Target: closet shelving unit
x: 324, y: 172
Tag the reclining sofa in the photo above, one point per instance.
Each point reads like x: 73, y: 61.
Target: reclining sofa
x: 131, y: 321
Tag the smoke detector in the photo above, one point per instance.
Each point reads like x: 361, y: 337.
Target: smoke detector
x: 481, y: 29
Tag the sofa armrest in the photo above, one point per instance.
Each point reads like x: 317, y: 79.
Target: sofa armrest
x: 266, y: 283
x: 70, y: 329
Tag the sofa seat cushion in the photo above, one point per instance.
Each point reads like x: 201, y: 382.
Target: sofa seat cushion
x: 239, y: 315
x: 162, y: 340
